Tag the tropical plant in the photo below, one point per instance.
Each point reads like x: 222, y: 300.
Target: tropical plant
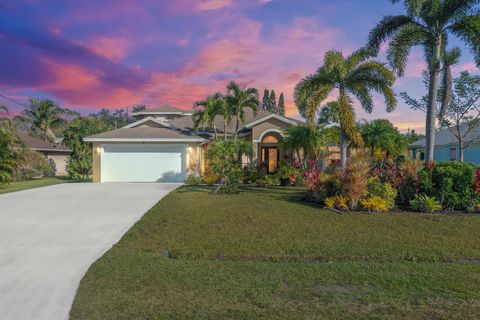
x: 207, y: 110
x: 424, y: 203
x: 375, y: 204
x: 308, y: 144
x: 337, y: 202
x: 7, y: 156
x: 383, y: 190
x: 239, y: 99
x: 221, y: 156
x: 381, y: 136
x: 356, y: 75
x: 44, y: 116
x: 31, y: 164
x: 427, y: 23
x: 355, y: 177
x: 114, y: 120
x: 80, y: 162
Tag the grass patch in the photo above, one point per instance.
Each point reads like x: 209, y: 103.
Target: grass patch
x: 266, y: 255
x: 31, y: 184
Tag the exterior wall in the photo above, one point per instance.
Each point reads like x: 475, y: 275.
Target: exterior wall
x: 58, y: 161
x: 271, y: 125
x: 194, y: 156
x: 442, y: 153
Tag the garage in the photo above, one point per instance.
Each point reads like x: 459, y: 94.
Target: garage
x: 144, y: 162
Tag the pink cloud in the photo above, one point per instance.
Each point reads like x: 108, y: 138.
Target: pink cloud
x: 111, y: 48
x: 212, y: 4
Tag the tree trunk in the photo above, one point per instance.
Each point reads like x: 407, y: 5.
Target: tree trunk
x: 224, y: 129
x: 236, y: 128
x: 432, y: 103
x: 461, y: 147
x: 343, y: 148
x: 215, y: 130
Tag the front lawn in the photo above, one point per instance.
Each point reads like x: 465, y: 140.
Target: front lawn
x: 30, y: 184
x: 266, y: 255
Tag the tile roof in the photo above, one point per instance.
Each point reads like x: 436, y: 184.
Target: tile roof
x: 446, y: 137
x: 39, y: 144
x: 186, y: 123
x: 165, y: 109
x: 144, y: 132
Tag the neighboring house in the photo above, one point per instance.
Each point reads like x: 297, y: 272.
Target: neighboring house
x: 56, y: 154
x: 447, y: 149
x: 163, y: 146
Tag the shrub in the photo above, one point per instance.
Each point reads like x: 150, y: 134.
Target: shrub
x: 452, y: 183
x: 355, y: 177
x: 7, y: 156
x: 321, y: 186
x: 375, y: 204
x: 268, y: 180
x: 193, y: 180
x: 287, y: 171
x: 383, y: 190
x: 424, y: 203
x: 337, y: 202
x: 251, y: 174
x: 31, y: 164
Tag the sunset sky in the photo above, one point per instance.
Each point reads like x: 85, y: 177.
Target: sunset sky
x: 89, y: 55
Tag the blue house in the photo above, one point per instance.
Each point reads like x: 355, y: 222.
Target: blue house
x: 447, y: 148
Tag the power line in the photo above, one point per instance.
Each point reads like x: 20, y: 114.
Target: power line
x: 14, y: 101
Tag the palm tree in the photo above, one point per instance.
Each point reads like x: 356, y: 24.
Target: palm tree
x: 301, y: 137
x: 212, y: 106
x: 43, y: 115
x: 381, y: 135
x: 238, y: 100
x: 355, y: 75
x: 428, y: 23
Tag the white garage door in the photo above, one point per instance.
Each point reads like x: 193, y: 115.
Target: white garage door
x: 144, y: 162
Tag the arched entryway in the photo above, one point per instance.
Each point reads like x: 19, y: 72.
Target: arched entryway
x: 270, y: 151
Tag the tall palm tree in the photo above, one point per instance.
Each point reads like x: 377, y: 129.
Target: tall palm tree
x: 428, y: 23
x: 207, y: 110
x: 356, y: 75
x: 43, y: 115
x: 238, y: 100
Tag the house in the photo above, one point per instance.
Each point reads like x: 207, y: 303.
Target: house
x: 446, y: 146
x: 163, y: 146
x: 56, y: 154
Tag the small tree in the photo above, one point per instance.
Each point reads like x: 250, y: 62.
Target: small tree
x: 7, y: 156
x: 281, y: 105
x: 266, y: 100
x: 239, y: 99
x: 273, y: 102
x: 301, y: 138
x: 383, y: 139
x: 463, y: 115
x: 80, y: 161
x: 221, y: 156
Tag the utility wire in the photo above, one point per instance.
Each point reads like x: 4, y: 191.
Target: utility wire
x: 14, y: 101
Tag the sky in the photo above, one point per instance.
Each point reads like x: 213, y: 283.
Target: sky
x: 88, y: 55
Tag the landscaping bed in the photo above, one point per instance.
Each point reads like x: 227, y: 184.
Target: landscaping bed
x: 265, y: 254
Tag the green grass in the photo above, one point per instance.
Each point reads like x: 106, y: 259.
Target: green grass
x: 266, y: 255
x: 30, y: 184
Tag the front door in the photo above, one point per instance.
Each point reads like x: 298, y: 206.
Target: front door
x: 270, y: 157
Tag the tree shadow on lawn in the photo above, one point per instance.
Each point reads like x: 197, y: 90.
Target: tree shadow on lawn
x: 288, y: 194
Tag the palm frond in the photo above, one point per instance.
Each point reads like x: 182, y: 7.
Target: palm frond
x: 413, y: 7
x: 347, y: 119
x: 468, y: 29
x: 385, y: 29
x: 399, y: 48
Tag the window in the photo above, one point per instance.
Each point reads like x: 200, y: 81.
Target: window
x: 270, y: 139
x: 453, y: 154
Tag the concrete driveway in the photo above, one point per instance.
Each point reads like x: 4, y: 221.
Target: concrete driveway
x: 50, y: 236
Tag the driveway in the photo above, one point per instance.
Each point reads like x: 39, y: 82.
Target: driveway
x: 50, y: 236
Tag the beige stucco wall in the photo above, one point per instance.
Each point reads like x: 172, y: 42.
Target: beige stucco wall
x: 194, y: 165
x: 58, y: 161
x: 272, y: 125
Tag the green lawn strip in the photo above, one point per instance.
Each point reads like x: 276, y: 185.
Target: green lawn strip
x: 144, y: 286
x: 31, y: 184
x: 266, y: 224
x: 261, y: 255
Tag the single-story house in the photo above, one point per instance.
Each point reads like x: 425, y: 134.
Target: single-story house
x: 56, y: 154
x: 163, y: 146
x: 447, y: 149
